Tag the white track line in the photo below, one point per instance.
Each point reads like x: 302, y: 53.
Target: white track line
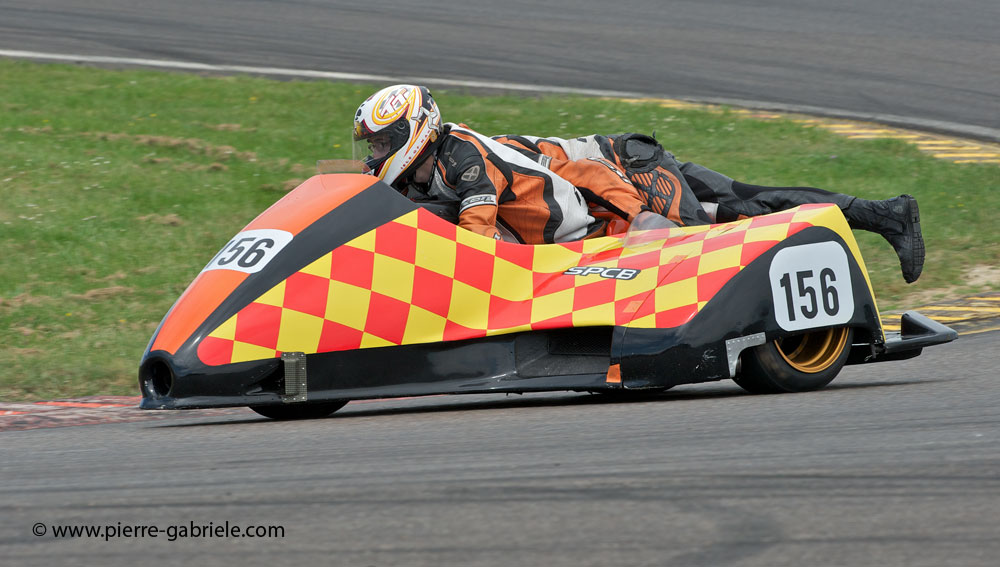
x: 307, y: 73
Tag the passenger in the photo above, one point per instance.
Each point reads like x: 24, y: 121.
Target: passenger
x: 684, y: 191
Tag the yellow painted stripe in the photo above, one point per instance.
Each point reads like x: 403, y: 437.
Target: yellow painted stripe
x: 968, y: 332
x: 961, y: 308
x: 924, y: 144
x: 841, y: 125
x: 986, y: 330
x: 878, y: 136
x: 864, y: 131
x: 943, y: 317
x: 966, y: 155
x: 983, y: 298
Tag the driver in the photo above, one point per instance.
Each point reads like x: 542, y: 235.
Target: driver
x: 399, y: 130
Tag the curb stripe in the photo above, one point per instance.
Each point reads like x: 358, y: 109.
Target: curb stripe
x: 967, y: 315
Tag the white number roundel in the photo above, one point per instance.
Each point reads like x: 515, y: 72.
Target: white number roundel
x: 250, y: 250
x: 811, y: 286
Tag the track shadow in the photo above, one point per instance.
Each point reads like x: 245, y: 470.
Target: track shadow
x: 460, y: 403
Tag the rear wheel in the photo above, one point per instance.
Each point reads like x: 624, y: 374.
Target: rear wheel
x: 798, y: 363
x: 300, y: 411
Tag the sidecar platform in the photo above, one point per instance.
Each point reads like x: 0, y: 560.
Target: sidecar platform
x: 916, y: 331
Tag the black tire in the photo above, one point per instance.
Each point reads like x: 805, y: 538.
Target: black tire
x: 799, y: 363
x: 300, y: 411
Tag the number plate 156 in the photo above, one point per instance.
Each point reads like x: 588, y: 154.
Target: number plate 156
x: 811, y: 286
x: 250, y: 250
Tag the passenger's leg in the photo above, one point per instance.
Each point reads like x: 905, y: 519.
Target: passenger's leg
x: 654, y: 172
x: 896, y: 219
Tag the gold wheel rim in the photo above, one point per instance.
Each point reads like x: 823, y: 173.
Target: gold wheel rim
x: 814, y: 351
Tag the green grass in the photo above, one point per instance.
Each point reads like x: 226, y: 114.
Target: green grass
x: 117, y: 186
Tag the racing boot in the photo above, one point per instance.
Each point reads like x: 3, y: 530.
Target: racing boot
x: 898, y: 221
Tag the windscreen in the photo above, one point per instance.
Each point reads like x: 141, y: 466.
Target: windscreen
x: 645, y: 228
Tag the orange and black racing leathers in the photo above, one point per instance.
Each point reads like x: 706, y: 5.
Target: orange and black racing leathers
x: 660, y: 184
x: 538, y: 198
x: 677, y: 190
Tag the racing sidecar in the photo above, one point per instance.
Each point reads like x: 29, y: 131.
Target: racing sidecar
x: 346, y: 290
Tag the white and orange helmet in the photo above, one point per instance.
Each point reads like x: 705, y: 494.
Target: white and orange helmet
x: 394, y: 130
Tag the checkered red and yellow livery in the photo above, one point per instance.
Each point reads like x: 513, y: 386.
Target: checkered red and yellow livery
x: 357, y: 292
x: 420, y: 279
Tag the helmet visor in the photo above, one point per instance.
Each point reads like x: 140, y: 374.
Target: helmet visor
x: 376, y: 150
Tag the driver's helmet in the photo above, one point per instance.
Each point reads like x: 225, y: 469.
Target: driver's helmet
x: 394, y: 130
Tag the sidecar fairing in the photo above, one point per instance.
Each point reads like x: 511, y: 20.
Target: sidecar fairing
x: 346, y: 290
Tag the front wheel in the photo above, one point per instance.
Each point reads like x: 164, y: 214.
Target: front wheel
x: 300, y: 411
x: 799, y: 363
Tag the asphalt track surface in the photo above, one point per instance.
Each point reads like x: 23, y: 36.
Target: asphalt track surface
x: 893, y: 464
x: 912, y: 62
